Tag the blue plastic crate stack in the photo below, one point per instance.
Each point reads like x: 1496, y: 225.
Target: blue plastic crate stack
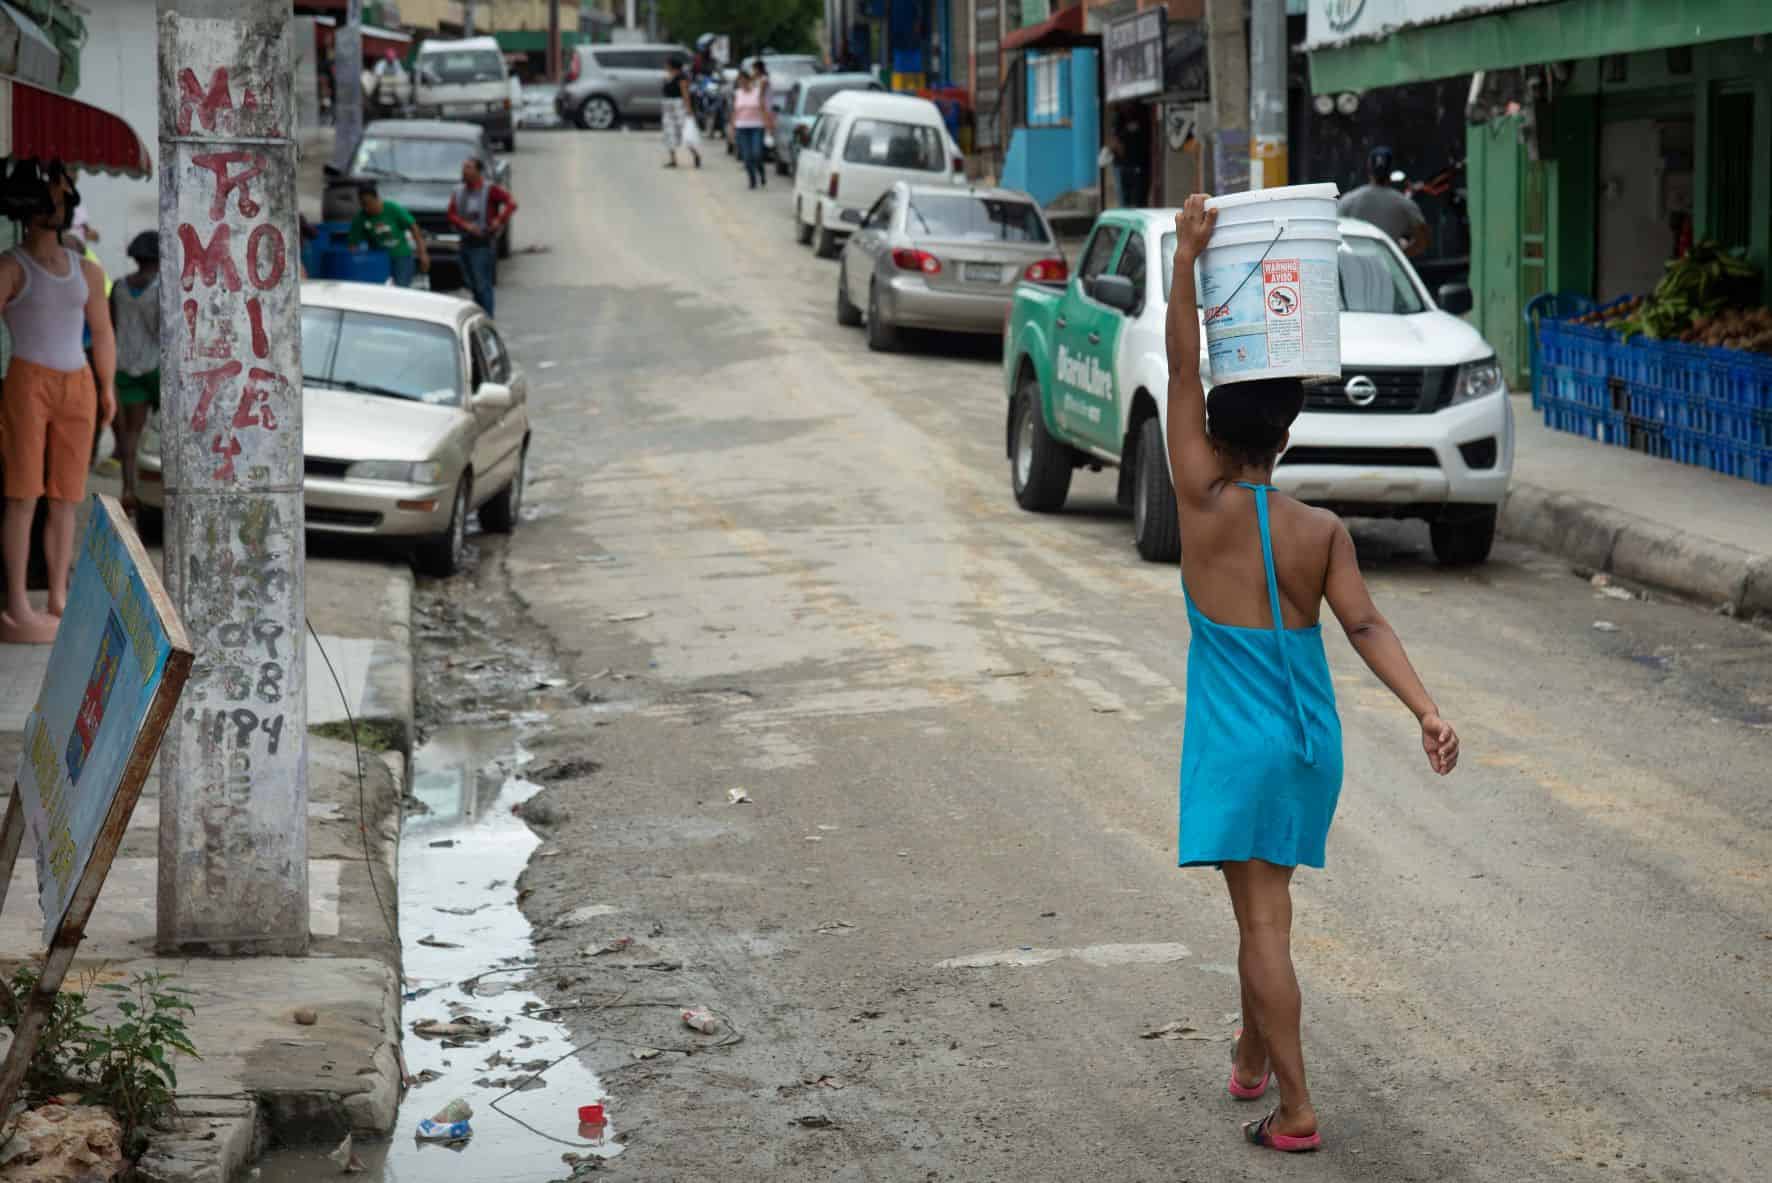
x: 1688, y: 403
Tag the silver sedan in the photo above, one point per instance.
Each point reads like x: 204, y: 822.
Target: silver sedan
x: 939, y: 257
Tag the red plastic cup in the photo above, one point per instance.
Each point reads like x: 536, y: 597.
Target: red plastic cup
x: 591, y: 1114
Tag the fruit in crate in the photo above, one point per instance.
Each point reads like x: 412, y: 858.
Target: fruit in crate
x: 1706, y: 282
x: 1734, y: 328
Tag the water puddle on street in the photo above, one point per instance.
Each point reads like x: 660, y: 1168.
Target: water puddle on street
x: 468, y: 957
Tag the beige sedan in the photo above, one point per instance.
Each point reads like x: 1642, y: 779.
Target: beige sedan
x: 413, y: 417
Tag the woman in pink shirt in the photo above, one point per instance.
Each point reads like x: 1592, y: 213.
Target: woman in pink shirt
x: 750, y: 116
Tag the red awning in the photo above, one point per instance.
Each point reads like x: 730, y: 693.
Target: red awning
x: 1060, y: 31
x: 43, y: 125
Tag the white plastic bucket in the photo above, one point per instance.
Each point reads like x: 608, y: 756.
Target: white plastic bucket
x: 1270, y: 285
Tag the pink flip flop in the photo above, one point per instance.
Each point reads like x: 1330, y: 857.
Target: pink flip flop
x: 1243, y: 1092
x: 1258, y: 1134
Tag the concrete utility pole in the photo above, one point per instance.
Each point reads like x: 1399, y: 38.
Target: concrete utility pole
x: 633, y: 16
x: 233, y: 866
x: 467, y: 17
x: 347, y: 84
x: 1227, y: 58
x: 553, y: 40
x: 1267, y: 93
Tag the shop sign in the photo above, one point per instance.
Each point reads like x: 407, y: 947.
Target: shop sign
x: 1331, y: 22
x: 1133, y: 47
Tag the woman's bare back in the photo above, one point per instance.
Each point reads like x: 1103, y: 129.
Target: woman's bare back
x: 1221, y: 558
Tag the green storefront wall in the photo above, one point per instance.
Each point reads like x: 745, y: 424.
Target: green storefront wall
x: 1533, y: 224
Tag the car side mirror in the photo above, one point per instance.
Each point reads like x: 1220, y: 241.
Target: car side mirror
x: 1116, y: 291
x: 1456, y: 298
x: 332, y: 172
x: 493, y: 396
x: 851, y: 216
x: 803, y: 135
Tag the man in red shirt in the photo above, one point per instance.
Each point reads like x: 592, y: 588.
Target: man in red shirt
x: 479, y: 211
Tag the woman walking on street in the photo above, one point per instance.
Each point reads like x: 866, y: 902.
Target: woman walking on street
x: 1261, y: 754
x: 135, y: 311
x: 676, y: 116
x: 749, y: 118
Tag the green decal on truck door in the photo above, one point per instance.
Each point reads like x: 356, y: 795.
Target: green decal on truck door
x: 1087, y: 341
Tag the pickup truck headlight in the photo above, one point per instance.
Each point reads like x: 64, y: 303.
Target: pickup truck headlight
x: 1478, y: 379
x: 426, y: 472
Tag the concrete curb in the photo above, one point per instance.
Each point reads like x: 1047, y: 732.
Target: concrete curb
x: 1592, y: 535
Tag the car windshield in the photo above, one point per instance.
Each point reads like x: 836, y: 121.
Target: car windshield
x: 1372, y: 279
x: 888, y: 144
x: 410, y: 159
x: 818, y: 95
x: 385, y: 355
x: 978, y: 219
x: 462, y: 65
x: 783, y: 71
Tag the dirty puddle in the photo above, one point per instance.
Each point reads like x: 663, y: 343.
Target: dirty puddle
x: 468, y: 960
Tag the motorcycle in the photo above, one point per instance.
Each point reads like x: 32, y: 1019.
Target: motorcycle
x: 709, y: 105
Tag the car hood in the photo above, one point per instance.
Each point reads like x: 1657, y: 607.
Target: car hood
x: 1431, y: 338
x: 419, y: 197
x: 339, y: 425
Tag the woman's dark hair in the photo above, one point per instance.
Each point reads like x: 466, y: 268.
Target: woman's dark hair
x: 1248, y: 421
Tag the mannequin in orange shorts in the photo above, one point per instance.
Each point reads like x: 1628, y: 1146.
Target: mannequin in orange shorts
x: 49, y: 294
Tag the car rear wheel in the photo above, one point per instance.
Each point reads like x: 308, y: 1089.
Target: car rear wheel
x: 1039, y: 467
x: 597, y: 114
x: 1464, y: 534
x: 826, y: 245
x: 848, y: 315
x: 802, y: 231
x: 882, y: 334
x: 442, y: 556
x: 1156, y: 526
x: 499, y: 516
x: 504, y: 244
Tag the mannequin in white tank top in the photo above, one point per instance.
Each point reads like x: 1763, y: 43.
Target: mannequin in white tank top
x: 51, y: 265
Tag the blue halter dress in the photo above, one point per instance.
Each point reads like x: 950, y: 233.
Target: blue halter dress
x: 1261, y: 746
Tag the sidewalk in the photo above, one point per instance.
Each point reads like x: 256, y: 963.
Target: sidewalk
x: 262, y: 1075
x: 1672, y: 525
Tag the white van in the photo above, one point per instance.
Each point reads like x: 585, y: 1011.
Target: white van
x: 467, y: 81
x: 863, y: 143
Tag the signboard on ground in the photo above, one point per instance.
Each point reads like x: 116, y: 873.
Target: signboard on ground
x: 115, y: 673
x: 1133, y: 48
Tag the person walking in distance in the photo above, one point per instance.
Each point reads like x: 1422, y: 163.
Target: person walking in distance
x: 677, y: 120
x: 386, y: 225
x: 135, y: 312
x: 749, y: 118
x: 1131, y: 145
x: 479, y: 210
x: 1392, y: 212
x: 48, y: 406
x: 1261, y: 757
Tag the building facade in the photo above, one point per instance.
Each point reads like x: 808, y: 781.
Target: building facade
x: 1601, y: 136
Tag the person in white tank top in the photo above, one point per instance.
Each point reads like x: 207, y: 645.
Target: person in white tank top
x: 49, y: 409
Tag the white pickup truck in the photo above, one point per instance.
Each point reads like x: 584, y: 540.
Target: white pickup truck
x: 1418, y: 425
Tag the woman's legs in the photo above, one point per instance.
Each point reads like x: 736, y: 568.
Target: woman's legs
x: 750, y: 144
x: 1261, y: 895
x: 131, y: 419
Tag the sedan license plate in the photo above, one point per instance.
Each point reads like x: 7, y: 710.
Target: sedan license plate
x: 981, y: 272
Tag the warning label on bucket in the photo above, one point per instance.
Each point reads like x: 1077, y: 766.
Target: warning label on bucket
x: 1278, y: 322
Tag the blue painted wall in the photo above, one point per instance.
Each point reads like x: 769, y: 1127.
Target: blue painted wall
x: 1057, y: 153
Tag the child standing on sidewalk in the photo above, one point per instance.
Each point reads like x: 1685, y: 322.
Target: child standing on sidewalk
x: 1261, y: 753
x: 135, y: 311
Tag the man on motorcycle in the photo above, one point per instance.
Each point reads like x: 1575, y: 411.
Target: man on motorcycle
x: 704, y: 87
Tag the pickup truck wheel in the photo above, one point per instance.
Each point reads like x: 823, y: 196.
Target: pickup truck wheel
x: 1156, y: 525
x: 802, y: 231
x: 1039, y: 466
x: 848, y: 315
x: 882, y: 334
x: 1464, y: 535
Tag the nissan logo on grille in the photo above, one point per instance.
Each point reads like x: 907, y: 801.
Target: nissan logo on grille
x: 1361, y: 390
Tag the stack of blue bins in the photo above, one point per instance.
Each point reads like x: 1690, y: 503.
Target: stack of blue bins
x: 1691, y: 403
x: 331, y: 256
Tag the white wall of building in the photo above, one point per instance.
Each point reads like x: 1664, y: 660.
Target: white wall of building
x: 119, y: 73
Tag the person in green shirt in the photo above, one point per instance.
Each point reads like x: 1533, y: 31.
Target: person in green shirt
x: 385, y: 225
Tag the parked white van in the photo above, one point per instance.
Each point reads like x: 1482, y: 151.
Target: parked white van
x: 863, y: 143
x: 467, y: 81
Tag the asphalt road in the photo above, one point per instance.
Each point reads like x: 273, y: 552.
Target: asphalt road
x: 959, y: 726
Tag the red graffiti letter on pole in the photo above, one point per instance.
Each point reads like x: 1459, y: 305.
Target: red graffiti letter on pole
x: 262, y: 233
x: 207, y: 103
x: 218, y: 163
x: 211, y: 381
x: 213, y: 259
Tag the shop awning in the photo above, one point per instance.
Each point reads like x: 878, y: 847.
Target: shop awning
x: 43, y: 125
x: 376, y: 42
x: 1062, y: 30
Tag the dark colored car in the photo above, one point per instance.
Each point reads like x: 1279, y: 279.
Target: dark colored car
x: 417, y: 163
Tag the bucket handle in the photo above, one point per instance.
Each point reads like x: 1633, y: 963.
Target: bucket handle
x: 1220, y: 309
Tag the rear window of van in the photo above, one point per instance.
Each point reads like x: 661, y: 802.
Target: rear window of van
x: 886, y: 143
